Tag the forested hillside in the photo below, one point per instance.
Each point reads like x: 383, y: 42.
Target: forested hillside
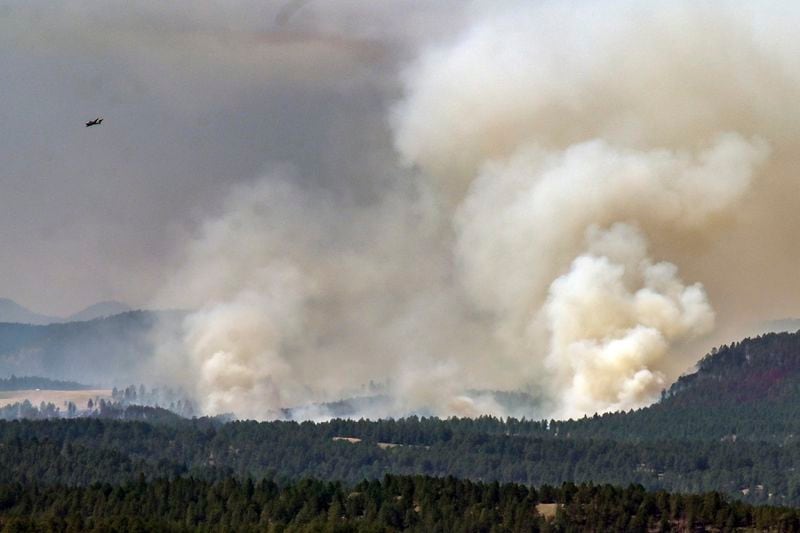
x: 395, y: 503
x: 746, y: 390
x: 15, y: 383
x: 729, y: 440
x: 95, y: 351
x: 91, y: 450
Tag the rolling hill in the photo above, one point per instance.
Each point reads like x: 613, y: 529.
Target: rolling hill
x: 99, y: 310
x: 746, y: 390
x: 94, y: 351
x: 11, y: 311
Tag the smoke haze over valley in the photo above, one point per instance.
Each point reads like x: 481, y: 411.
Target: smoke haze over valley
x: 432, y: 205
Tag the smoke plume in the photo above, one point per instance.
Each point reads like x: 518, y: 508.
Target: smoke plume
x: 612, y: 319
x: 567, y: 168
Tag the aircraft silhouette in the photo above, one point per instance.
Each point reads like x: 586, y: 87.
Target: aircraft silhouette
x: 94, y: 122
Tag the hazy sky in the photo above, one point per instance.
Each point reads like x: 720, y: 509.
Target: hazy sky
x: 196, y: 96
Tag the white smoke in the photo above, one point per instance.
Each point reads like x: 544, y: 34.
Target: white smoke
x: 295, y: 304
x: 571, y: 160
x: 526, y: 216
x: 237, y: 346
x: 611, y: 321
x: 250, y: 298
x: 547, y: 121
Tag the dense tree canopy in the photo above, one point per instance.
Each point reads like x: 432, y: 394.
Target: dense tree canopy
x: 88, y: 450
x: 413, y: 503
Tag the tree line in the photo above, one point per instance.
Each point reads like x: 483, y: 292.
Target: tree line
x: 83, y: 451
x: 394, y: 503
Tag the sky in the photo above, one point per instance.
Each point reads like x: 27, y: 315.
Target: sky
x: 197, y: 97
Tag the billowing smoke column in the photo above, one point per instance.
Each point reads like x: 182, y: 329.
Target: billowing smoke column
x: 562, y: 137
x: 249, y: 298
x: 569, y: 158
x: 297, y: 304
x: 612, y: 319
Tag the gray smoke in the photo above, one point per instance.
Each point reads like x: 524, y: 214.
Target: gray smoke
x: 568, y: 168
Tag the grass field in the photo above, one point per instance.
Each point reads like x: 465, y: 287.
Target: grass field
x: 57, y: 397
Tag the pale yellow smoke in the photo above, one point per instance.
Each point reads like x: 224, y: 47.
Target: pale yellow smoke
x: 575, y: 163
x: 294, y: 304
x: 249, y: 297
x: 548, y: 119
x: 611, y: 320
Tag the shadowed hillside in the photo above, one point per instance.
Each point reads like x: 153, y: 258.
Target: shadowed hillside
x: 766, y: 368
x: 96, y: 351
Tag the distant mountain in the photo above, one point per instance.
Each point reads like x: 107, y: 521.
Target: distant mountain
x: 99, y: 310
x: 11, y: 311
x: 95, y: 351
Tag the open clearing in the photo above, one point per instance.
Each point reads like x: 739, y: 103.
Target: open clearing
x: 57, y: 397
x: 547, y: 510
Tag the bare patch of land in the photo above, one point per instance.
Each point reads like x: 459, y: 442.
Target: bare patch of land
x: 547, y: 510
x: 351, y: 440
x: 57, y: 397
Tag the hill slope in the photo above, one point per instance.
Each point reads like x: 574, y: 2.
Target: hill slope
x: 99, y: 310
x: 11, y: 311
x: 745, y: 390
x: 95, y: 351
